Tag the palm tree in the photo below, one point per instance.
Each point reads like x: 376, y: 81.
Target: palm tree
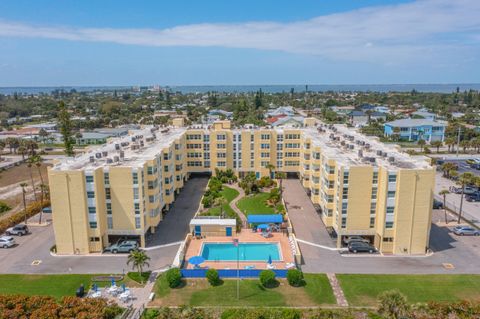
x: 23, y: 151
x: 437, y: 144
x: 38, y: 163
x: 2, y: 146
x: 421, y: 143
x: 138, y: 259
x: 450, y: 142
x: 465, y: 145
x: 464, y: 179
x: 447, y: 168
x: 393, y: 304
x: 280, y: 176
x: 271, y: 168
x: 23, y: 185
x: 444, y: 193
x: 30, y: 163
x: 220, y: 202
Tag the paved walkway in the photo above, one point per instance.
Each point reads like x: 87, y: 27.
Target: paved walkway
x: 234, y: 202
x: 337, y: 290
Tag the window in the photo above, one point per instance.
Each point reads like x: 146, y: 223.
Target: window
x: 387, y: 239
x: 151, y: 199
x: 221, y: 137
x: 90, y: 194
x: 89, y: 179
x: 222, y: 155
x: 373, y: 207
x: 135, y: 177
x: 95, y: 239
x: 252, y: 138
x: 390, y: 210
x: 106, y: 178
x: 206, y: 138
x: 165, y: 168
x: 107, y: 193
x: 109, y: 222
x: 279, y: 137
x: 375, y: 178
x: 265, y: 136
x: 137, y: 222
x: 372, y: 222
x: 222, y: 164
x: 391, y: 194
x: 93, y: 224
x: 345, y: 177
x: 392, y: 178
x: 344, y: 222
x: 389, y: 225
x: 264, y: 146
x: 109, y: 208
x: 92, y: 210
x: 345, y: 193
x: 344, y: 208
x: 135, y: 193
x: 374, y: 193
x: 221, y: 145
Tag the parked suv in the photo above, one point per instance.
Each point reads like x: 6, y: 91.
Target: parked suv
x: 360, y: 247
x: 126, y: 246
x: 437, y: 204
x: 473, y: 197
x: 18, y: 230
x: 7, y: 241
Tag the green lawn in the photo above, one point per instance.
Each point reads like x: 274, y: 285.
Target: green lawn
x: 318, y: 288
x: 255, y: 204
x: 362, y: 290
x: 52, y: 285
x: 198, y: 292
x: 229, y: 194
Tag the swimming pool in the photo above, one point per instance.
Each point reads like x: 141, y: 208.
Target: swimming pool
x: 246, y: 252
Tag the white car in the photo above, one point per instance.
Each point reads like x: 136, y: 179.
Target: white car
x: 7, y: 241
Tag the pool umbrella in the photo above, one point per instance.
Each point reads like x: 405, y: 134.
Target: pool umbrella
x: 95, y: 287
x: 113, y: 281
x: 123, y: 287
x: 270, y: 259
x: 196, y: 260
x: 263, y: 226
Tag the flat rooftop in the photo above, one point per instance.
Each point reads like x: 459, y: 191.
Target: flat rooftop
x: 345, y: 145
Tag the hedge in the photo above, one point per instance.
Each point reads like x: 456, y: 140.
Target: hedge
x: 19, y: 217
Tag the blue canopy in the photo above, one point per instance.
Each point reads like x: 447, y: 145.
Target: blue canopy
x: 265, y: 219
x: 263, y: 226
x: 196, y: 260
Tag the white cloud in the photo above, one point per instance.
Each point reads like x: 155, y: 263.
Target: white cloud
x: 387, y: 34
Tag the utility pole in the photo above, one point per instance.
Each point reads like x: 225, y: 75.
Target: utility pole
x: 458, y: 139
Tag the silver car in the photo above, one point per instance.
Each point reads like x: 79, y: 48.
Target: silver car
x: 466, y: 230
x: 7, y: 241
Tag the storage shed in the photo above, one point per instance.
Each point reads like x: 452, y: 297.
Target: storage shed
x: 213, y: 227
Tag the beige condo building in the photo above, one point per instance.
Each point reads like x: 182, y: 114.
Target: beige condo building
x: 361, y: 186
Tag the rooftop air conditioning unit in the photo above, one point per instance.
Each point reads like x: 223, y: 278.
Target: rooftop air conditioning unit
x: 116, y: 158
x: 122, y: 154
x: 109, y: 161
x: 98, y: 155
x: 92, y: 159
x: 117, y: 146
x: 360, y: 153
x: 104, y: 153
x: 391, y: 159
x: 351, y: 146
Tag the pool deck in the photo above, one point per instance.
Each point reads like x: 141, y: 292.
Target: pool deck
x: 246, y: 236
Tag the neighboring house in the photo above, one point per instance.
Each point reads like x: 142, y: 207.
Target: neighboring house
x: 382, y: 109
x: 457, y: 115
x: 291, y: 121
x: 89, y: 138
x: 49, y: 127
x: 378, y: 116
x: 366, y: 107
x: 281, y: 110
x: 416, y: 129
x: 425, y: 114
x: 116, y: 132
x: 358, y: 118
x: 342, y: 110
x: 216, y: 115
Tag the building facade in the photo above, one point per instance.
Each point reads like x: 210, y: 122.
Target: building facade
x: 416, y: 129
x: 363, y: 187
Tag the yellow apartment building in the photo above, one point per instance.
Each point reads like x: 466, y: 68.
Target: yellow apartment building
x: 362, y: 186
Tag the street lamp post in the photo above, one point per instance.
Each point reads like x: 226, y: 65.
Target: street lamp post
x: 236, y: 243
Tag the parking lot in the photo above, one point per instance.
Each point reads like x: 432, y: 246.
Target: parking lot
x: 32, y: 255
x: 451, y: 254
x: 463, y: 166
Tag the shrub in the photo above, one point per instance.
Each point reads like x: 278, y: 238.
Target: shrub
x: 174, y: 277
x: 213, y: 277
x: 267, y: 278
x: 393, y: 304
x: 4, y: 207
x: 295, y: 277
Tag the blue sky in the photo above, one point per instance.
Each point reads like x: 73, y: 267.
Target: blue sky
x: 91, y: 42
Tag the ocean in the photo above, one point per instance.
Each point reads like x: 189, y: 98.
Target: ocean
x: 436, y: 88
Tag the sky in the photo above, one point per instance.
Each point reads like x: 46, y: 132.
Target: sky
x: 238, y: 42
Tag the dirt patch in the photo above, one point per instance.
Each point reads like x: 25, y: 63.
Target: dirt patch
x: 10, y: 190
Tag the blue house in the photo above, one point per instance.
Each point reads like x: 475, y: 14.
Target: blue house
x: 416, y: 129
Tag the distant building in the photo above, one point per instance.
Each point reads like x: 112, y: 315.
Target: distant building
x: 382, y: 109
x: 116, y: 132
x: 216, y: 115
x: 89, y: 138
x: 357, y: 118
x: 342, y: 110
x: 425, y: 114
x: 289, y: 121
x: 416, y: 129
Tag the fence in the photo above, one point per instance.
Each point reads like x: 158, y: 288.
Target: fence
x: 232, y: 273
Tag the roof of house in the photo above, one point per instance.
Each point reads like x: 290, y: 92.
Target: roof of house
x: 415, y: 122
x: 357, y: 113
x: 274, y: 119
x: 284, y: 120
x: 378, y: 114
x: 95, y: 135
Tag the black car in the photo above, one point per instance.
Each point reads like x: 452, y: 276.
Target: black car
x: 437, y: 204
x: 360, y: 247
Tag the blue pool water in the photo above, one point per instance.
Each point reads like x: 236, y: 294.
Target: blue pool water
x: 246, y: 252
